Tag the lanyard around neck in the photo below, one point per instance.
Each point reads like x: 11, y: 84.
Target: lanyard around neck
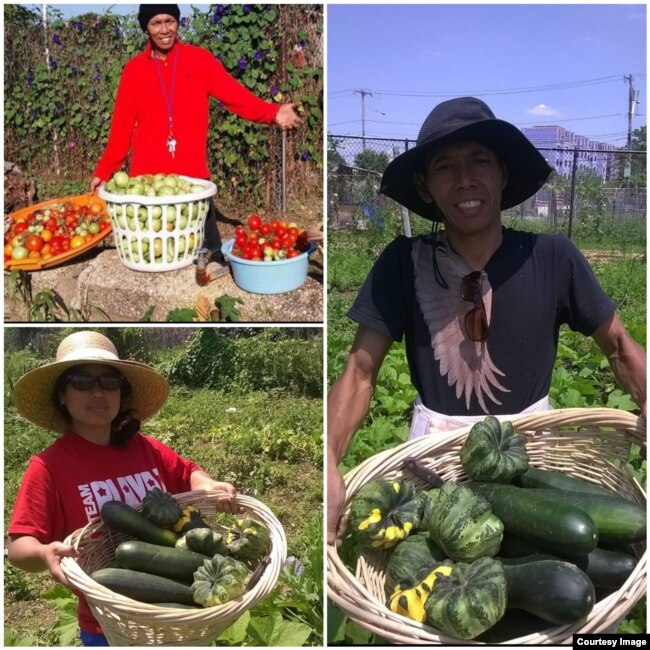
x: 169, y: 100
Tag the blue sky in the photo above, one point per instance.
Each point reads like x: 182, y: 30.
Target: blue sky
x: 70, y: 10
x: 400, y: 51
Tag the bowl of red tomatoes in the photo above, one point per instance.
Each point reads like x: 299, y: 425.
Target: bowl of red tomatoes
x: 269, y: 256
x: 52, y: 232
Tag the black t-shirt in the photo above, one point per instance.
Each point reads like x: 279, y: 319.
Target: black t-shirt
x: 531, y: 285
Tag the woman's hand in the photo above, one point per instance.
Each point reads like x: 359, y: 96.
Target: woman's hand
x: 286, y: 117
x: 27, y: 553
x: 95, y: 183
x: 199, y: 480
x: 52, y: 554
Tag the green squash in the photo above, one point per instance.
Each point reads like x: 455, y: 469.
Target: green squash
x: 248, y: 540
x: 470, y: 600
x: 160, y: 508
x: 219, y: 580
x: 204, y: 541
x: 189, y: 518
x: 493, y: 452
x: 461, y: 524
x: 383, y: 513
x: 409, y: 600
x: 409, y: 557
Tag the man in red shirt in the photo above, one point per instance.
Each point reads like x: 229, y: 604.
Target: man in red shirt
x: 162, y: 109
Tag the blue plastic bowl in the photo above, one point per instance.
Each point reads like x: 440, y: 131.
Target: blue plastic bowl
x: 278, y: 276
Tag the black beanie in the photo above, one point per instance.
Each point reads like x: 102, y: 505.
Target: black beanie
x: 147, y: 12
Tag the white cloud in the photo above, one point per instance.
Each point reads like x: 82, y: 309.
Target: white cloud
x: 544, y: 110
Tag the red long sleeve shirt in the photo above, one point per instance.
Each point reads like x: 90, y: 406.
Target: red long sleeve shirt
x: 66, y: 485
x: 140, y: 121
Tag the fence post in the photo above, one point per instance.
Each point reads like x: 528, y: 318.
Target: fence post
x: 573, y: 190
x: 406, y: 221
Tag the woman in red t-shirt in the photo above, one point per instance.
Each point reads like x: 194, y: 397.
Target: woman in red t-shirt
x: 97, y: 402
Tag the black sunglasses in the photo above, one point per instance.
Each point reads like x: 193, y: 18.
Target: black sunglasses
x: 88, y: 382
x: 476, y: 323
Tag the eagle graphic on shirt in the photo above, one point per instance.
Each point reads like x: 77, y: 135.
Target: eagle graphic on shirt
x: 467, y: 364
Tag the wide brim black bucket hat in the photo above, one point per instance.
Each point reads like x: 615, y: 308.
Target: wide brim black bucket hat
x: 467, y: 118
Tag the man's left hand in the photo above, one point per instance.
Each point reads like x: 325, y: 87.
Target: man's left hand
x: 287, y: 118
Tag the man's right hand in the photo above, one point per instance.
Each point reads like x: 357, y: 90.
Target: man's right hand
x: 95, y: 183
x: 335, y: 501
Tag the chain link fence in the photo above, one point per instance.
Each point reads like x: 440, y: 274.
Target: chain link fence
x: 590, y: 185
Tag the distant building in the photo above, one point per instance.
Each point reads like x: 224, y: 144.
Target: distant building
x: 557, y: 144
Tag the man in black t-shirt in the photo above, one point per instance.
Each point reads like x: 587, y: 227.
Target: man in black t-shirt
x: 479, y: 306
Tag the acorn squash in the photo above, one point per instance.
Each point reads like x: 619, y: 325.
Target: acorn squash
x: 248, y: 540
x: 384, y: 512
x: 219, y: 580
x: 204, y: 541
x: 160, y: 508
x: 409, y: 557
x: 409, y: 600
x: 189, y: 518
x: 461, y: 523
x: 470, y: 600
x: 493, y: 452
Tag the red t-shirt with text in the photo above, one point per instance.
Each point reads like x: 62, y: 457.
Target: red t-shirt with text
x: 66, y: 485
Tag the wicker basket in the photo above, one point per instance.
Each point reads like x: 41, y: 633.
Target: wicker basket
x: 127, y: 622
x: 588, y: 443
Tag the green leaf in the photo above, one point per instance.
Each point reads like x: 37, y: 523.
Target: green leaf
x: 336, y: 622
x: 181, y: 316
x: 274, y: 631
x: 236, y: 633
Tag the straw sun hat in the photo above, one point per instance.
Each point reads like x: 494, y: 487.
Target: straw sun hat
x: 34, y: 391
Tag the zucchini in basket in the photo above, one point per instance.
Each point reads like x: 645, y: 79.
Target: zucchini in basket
x: 144, y: 587
x: 124, y: 519
x: 174, y: 563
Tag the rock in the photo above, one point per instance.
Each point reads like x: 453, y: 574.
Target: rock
x: 100, y: 288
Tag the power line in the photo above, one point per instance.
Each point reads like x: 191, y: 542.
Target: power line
x: 505, y: 91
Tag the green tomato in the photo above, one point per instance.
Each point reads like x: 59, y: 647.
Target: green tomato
x: 158, y: 248
x: 19, y: 253
x: 182, y: 222
x: 156, y: 225
x: 156, y: 211
x: 93, y: 227
x: 121, y: 179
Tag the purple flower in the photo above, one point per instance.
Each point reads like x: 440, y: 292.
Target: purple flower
x: 72, y: 144
x: 73, y: 69
x: 247, y: 9
x: 219, y: 104
x: 242, y: 63
x: 183, y: 21
x: 302, y: 44
x: 56, y: 39
x: 34, y: 115
x: 216, y: 17
x: 53, y: 64
x: 78, y: 24
x: 305, y: 155
x: 30, y: 79
x: 258, y: 55
x: 97, y: 77
x: 275, y: 90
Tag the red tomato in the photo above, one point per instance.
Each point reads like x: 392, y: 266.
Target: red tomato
x: 21, y: 226
x: 34, y: 243
x: 239, y: 231
x: 293, y: 231
x: 254, y: 222
x: 276, y: 244
x: 71, y: 221
x: 265, y: 229
x: 274, y: 224
x: 292, y: 253
x: 103, y: 225
x: 281, y: 231
x: 51, y: 224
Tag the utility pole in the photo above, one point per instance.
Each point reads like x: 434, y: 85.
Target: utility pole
x: 363, y: 94
x: 632, y: 101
